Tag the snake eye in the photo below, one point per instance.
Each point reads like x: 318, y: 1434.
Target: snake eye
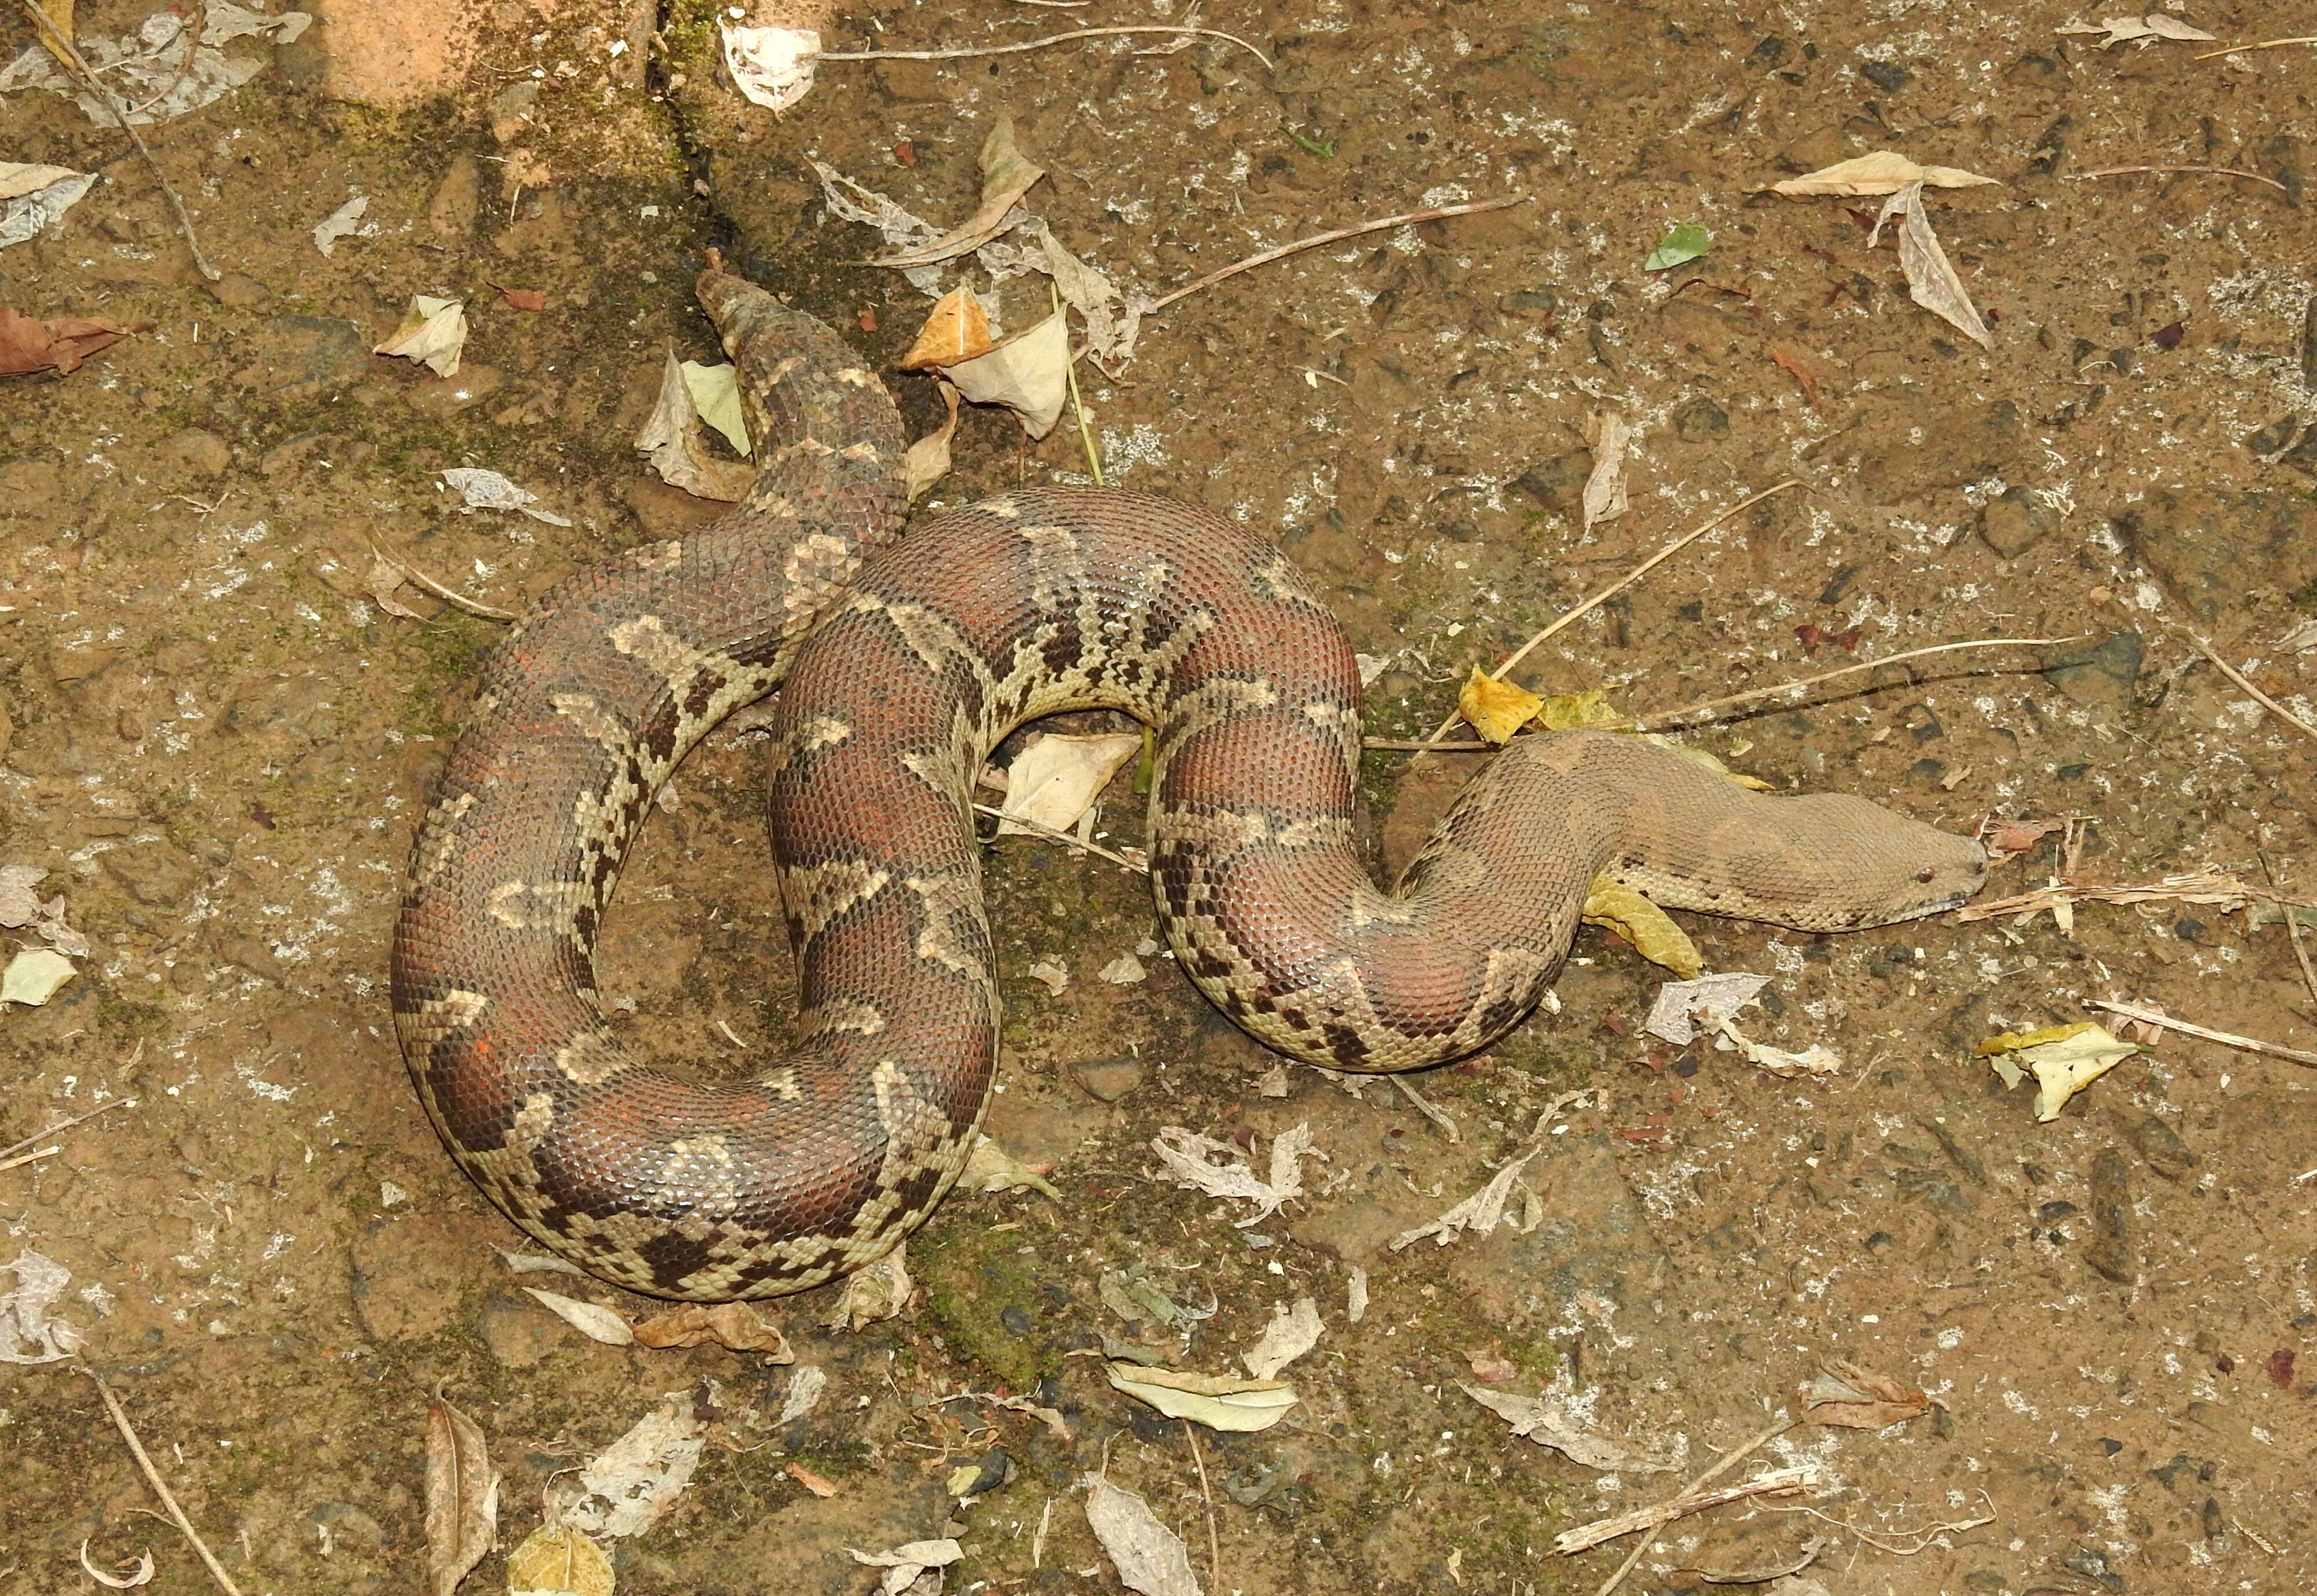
x: 1925, y: 874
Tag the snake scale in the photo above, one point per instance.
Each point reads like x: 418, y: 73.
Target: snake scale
x: 901, y: 662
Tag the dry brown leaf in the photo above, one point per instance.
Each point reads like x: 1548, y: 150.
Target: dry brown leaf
x: 433, y: 333
x: 1291, y: 1332
x: 1149, y: 1557
x: 557, y: 1560
x: 2123, y: 30
x: 734, y: 1324
x: 30, y: 344
x: 385, y: 579
x: 1859, y: 1398
x: 140, y: 1573
x: 1604, y: 486
x: 1791, y: 365
x: 880, y: 1291
x: 1544, y: 1423
x: 1006, y: 176
x: 1931, y: 280
x: 818, y: 1484
x: 590, y: 1319
x: 957, y: 328
x: 1884, y: 172
x: 523, y: 298
x: 927, y: 461
x: 1028, y: 373
x: 1058, y: 778
x: 674, y: 437
x: 462, y: 1497
x: 633, y: 1482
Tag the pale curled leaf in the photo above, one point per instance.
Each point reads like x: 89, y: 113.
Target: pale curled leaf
x: 1546, y: 1424
x: 1219, y: 1401
x: 557, y: 1560
x: 1611, y: 903
x: 2146, y: 29
x: 1186, y: 1155
x: 140, y: 1572
x: 1291, y: 1332
x: 1884, y: 172
x: 433, y: 333
x: 345, y: 219
x: 957, y: 328
x: 1931, y: 279
x: 1605, y: 486
x: 33, y: 976
x: 1479, y: 1213
x: 28, y: 1312
x: 2064, y: 1058
x: 673, y: 439
x: 808, y: 1383
x: 1057, y: 778
x: 927, y: 461
x: 1815, y: 1060
x: 1006, y: 176
x: 633, y: 1482
x: 878, y: 1291
x: 990, y: 1168
x: 1028, y: 373
x: 1844, y: 1393
x: 737, y: 1325
x: 462, y: 1497
x: 1673, y: 1016
x: 771, y: 66
x: 716, y: 396
x: 918, y: 1553
x: 1149, y: 1557
x: 590, y: 1319
x: 481, y: 489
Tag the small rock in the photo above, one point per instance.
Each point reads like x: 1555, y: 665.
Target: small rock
x: 153, y: 873
x: 447, y: 396
x: 1106, y: 1079
x: 2162, y: 1147
x: 205, y: 452
x: 240, y: 291
x: 1557, y: 484
x: 2111, y: 1251
x: 2014, y: 521
x: 1702, y: 422
x: 511, y: 110
x: 2099, y: 673
x: 1887, y: 75
x: 252, y: 954
x: 458, y: 199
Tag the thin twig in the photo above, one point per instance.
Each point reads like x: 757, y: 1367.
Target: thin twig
x: 421, y: 580
x: 1051, y: 835
x: 1436, y: 1115
x: 2226, y: 1039
x: 1078, y: 404
x: 2215, y: 171
x: 2292, y: 929
x: 41, y: 1135
x: 34, y: 1156
x: 160, y: 1488
x: 64, y: 48
x: 2238, y: 49
x: 1264, y: 257
x: 1660, y: 717
x: 1619, y: 585
x: 1713, y: 1473
x: 959, y: 52
x: 1921, y: 1538
x: 2236, y: 676
x: 191, y: 33
x: 1214, y: 1546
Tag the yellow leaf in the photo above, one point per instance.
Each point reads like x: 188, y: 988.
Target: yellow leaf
x: 1647, y: 927
x: 558, y: 1558
x: 1495, y: 709
x: 1564, y: 711
x: 1700, y: 757
x: 2065, y: 1059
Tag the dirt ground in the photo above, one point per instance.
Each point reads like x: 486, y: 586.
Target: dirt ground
x: 215, y: 740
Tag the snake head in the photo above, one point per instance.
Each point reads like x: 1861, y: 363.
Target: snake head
x: 1945, y: 871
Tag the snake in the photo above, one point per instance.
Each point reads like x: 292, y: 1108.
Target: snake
x: 900, y: 663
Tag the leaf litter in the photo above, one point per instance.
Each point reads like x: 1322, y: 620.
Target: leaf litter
x: 164, y: 69
x: 1478, y: 1214
x: 675, y: 439
x: 2144, y: 30
x: 1219, y: 1401
x: 1548, y: 1424
x: 904, y: 1563
x: 462, y: 1497
x: 557, y: 1560
x: 1843, y: 1394
x: 433, y: 334
x: 771, y: 66
x: 1291, y: 1333
x: 1187, y: 1157
x: 1884, y: 172
x: 1149, y: 1557
x: 33, y: 199
x: 633, y: 1482
x: 1054, y: 782
x: 28, y: 344
x: 28, y: 1317
x: 480, y: 489
x: 1931, y: 279
x: 2064, y: 1059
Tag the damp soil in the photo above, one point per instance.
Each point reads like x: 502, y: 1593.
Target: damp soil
x: 216, y: 740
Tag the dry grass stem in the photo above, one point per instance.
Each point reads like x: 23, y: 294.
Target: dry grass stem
x: 1214, y: 1545
x: 963, y: 51
x: 1437, y: 1116
x: 2225, y: 1039
x: 1063, y: 837
x: 118, y: 1102
x: 425, y: 583
x: 2216, y: 889
x: 2215, y: 171
x: 1660, y: 718
x: 2238, y: 49
x: 1923, y: 1538
x: 1714, y: 1471
x: 176, y: 1515
x: 2291, y: 931
x: 54, y: 42
x: 2236, y: 676
x: 1618, y: 586
x: 1264, y: 257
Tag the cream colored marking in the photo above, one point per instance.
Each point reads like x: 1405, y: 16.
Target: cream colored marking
x: 1330, y: 832
x: 772, y: 503
x: 1003, y: 507
x: 942, y: 897
x: 535, y: 905
x: 927, y: 633
x: 594, y: 722
x: 812, y: 446
x: 822, y: 731
x: 840, y: 1014
x: 455, y: 1010
x: 658, y: 556
x: 533, y: 1121
x: 443, y: 832
x: 859, y: 451
x: 647, y: 639
x: 783, y: 1083
x: 1279, y: 581
x: 779, y: 373
x: 701, y: 1170
x: 1371, y: 907
x: 817, y: 894
x: 592, y: 1056
x: 854, y: 376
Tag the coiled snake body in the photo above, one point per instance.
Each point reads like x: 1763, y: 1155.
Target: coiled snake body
x: 904, y: 662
